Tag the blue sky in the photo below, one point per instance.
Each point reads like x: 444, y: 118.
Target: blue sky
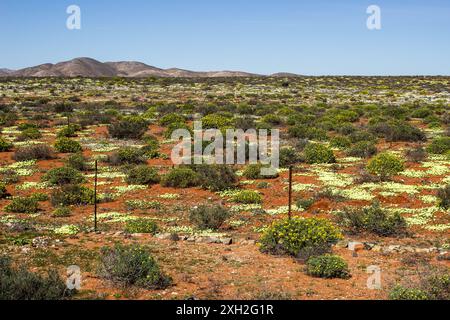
x: 320, y: 37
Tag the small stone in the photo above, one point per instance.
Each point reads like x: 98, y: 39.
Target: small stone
x: 164, y: 236
x: 226, y: 241
x: 342, y: 244
x: 377, y: 248
x: 355, y: 246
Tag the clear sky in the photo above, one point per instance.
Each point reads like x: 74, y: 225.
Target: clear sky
x: 316, y: 37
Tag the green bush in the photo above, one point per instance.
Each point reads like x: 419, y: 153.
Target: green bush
x: 247, y: 197
x: 66, y: 145
x: 175, y: 126
x: 171, y: 118
x: 21, y: 284
x: 373, y: 219
x: 340, y: 142
x: 69, y: 131
x: 439, y: 146
x: 142, y: 175
x: 216, y: 121
x: 444, y: 197
x: 141, y: 226
x: 209, y: 217
x: 401, y: 293
x: 288, y: 157
x: 127, y: 155
x: 5, y: 146
x: 62, y: 212
x: 299, y: 237
x: 385, y: 165
x: 40, y: 196
x: 78, y: 162
x: 63, y: 176
x: 34, y: 152
x: 181, y: 177
x: 23, y: 205
x: 362, y: 149
x: 317, y: 153
x: 131, y: 127
x: 327, y: 266
x: 132, y: 265
x: 3, y: 191
x: 253, y: 171
x: 70, y: 195
x: 30, y: 134
x: 216, y: 177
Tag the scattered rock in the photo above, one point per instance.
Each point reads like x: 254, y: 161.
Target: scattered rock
x: 444, y: 256
x: 41, y: 242
x: 342, y: 244
x: 355, y: 246
x: 164, y: 236
x: 226, y: 241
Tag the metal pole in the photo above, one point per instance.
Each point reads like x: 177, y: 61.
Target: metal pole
x: 95, y: 198
x: 290, y: 192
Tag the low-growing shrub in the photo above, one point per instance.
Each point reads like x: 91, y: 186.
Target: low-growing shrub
x: 288, y: 157
x: 305, y: 203
x: 385, y: 165
x: 439, y: 145
x: 141, y: 226
x: 181, y: 177
x: 3, y: 192
x: 132, y: 127
x: 69, y: 195
x: 253, y: 171
x: 23, y: 205
x: 132, y: 265
x: 67, y: 145
x: 171, y: 118
x: 63, y: 176
x: 29, y: 134
x: 299, y: 237
x: 5, y: 146
x: 127, y: 156
x: 402, y: 293
x: 444, y: 197
x: 40, y: 196
x: 418, y: 154
x: 327, y: 266
x: 216, y: 177
x: 62, y: 212
x: 340, y: 142
x: 362, y: 149
x: 34, y: 152
x: 209, y: 217
x: 247, y: 197
x: 78, y: 162
x: 21, y: 284
x: 69, y: 131
x: 317, y: 153
x: 372, y: 219
x: 142, y: 175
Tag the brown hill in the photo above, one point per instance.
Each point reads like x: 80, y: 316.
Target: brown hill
x: 87, y: 67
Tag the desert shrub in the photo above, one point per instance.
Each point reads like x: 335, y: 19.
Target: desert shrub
x: 247, y: 197
x: 30, y: 134
x: 69, y: 131
x: 288, y: 157
x: 340, y: 142
x: 21, y: 284
x: 23, y: 205
x: 317, y: 153
x: 297, y: 236
x: 66, y: 145
x: 244, y: 123
x: 439, y: 145
x: 3, y: 191
x: 40, y: 196
x: 141, y: 226
x: 34, y: 152
x: 253, y: 171
x: 132, y: 127
x: 402, y: 131
x: 385, y: 165
x: 5, y: 145
x: 181, y: 177
x: 62, y: 212
x: 171, y: 118
x: 132, y: 265
x: 63, y: 176
x: 416, y: 155
x: 69, y: 195
x: 127, y: 155
x: 272, y: 119
x: 175, y: 126
x: 362, y: 149
x: 142, y: 175
x: 327, y: 266
x: 361, y: 135
x: 209, y: 217
x: 402, y: 293
x: 63, y: 107
x: 151, y: 149
x: 78, y: 162
x: 216, y: 121
x: 216, y: 177
x: 444, y: 197
x: 302, y: 131
x: 372, y: 219
x: 305, y: 203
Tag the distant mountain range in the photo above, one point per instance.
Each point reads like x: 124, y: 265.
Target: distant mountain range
x: 87, y: 67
